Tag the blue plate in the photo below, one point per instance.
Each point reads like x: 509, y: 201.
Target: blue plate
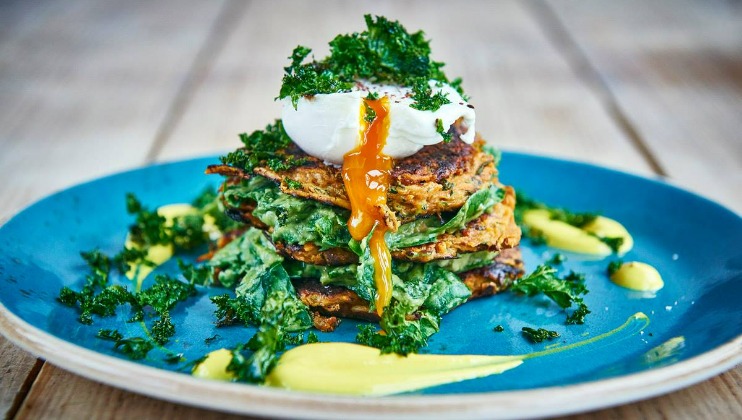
x: 693, y: 242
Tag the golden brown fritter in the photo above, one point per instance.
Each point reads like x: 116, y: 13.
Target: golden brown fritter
x: 311, y: 254
x: 327, y: 303
x: 493, y: 231
x: 438, y: 178
x: 495, y: 278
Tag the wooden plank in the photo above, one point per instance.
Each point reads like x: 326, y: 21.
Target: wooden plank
x: 85, y: 86
x: 17, y: 370
x: 58, y: 394
x: 527, y: 96
x: 717, y: 398
x: 674, y: 71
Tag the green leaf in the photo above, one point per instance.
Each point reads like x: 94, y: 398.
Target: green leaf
x: 134, y: 348
x: 163, y: 329
x: 293, y: 220
x: 249, y: 255
x: 365, y: 285
x: 468, y: 261
x: 264, y: 148
x: 165, y: 293
x: 426, y: 230
x: 539, y: 335
x: 613, y: 266
x: 281, y: 313
x: 564, y: 292
x: 423, y: 293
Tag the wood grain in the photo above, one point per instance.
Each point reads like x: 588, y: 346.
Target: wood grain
x: 17, y: 372
x: 82, y: 97
x: 527, y: 96
x: 60, y: 395
x: 86, y: 85
x: 675, y: 70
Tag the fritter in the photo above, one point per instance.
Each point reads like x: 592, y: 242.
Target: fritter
x: 491, y: 231
x: 328, y: 303
x: 439, y: 178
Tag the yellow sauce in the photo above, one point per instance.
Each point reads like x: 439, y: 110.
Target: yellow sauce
x: 214, y: 366
x: 665, y: 352
x: 366, y: 174
x: 160, y: 254
x: 352, y: 369
x: 605, y: 227
x: 638, y: 276
x: 583, y: 240
x: 344, y: 368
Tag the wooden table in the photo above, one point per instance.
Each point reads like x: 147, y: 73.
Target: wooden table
x: 91, y: 87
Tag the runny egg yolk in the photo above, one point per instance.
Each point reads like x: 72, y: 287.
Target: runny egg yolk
x: 366, y: 175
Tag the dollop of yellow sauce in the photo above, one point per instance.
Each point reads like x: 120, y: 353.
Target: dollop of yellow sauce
x: 640, y: 276
x: 584, y: 240
x: 366, y: 174
x: 214, y: 366
x: 160, y: 254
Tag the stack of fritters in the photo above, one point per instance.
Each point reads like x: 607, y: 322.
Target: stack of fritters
x: 433, y: 183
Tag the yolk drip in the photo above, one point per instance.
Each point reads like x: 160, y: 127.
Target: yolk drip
x: 366, y: 174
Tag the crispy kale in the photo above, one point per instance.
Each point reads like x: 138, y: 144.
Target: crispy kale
x: 613, y: 266
x: 384, y: 53
x: 134, y: 348
x: 563, y: 291
x: 264, y: 147
x: 539, y: 335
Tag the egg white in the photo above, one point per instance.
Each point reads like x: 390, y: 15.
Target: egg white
x: 328, y: 126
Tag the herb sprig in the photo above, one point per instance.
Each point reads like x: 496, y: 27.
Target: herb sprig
x: 563, y: 291
x: 539, y: 335
x: 264, y: 148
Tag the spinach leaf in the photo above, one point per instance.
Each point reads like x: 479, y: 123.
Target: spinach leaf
x: 426, y: 230
x: 247, y: 256
x: 466, y: 262
x: 423, y: 293
x: 293, y: 220
x: 365, y: 285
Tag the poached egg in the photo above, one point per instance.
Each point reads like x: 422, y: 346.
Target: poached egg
x: 327, y: 126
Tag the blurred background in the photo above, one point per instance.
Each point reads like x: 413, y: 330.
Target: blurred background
x: 91, y: 87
